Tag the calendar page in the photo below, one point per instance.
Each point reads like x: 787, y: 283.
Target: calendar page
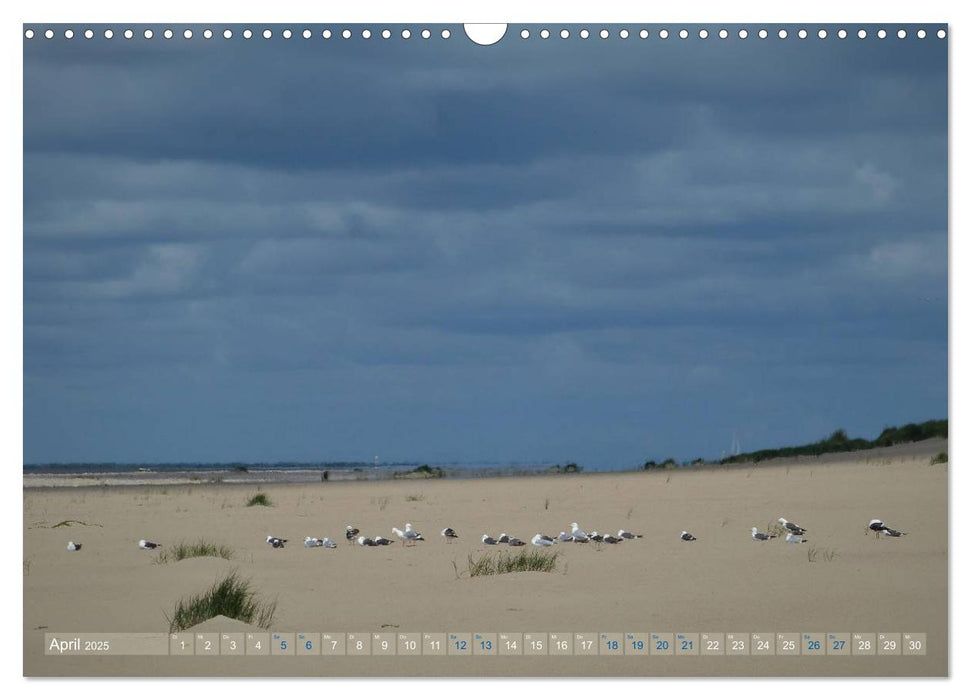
x: 537, y: 349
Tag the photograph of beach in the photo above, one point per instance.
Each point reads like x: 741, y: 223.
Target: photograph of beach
x: 570, y: 351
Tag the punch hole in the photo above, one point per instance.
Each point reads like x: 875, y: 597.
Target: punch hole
x: 68, y: 33
x: 803, y: 33
x: 703, y: 34
x: 783, y: 33
x: 683, y: 34
x: 207, y: 34
x: 386, y: 34
x: 882, y: 34
x: 168, y: 34
x: 564, y: 33
x: 366, y: 34
x: 624, y: 33
x: 129, y: 34
x: 247, y: 34
x: 489, y: 34
x: 524, y: 34
x: 88, y: 34
x: 287, y: 34
x: 346, y: 33
x: 861, y: 33
x: 228, y: 34
x: 663, y: 33
x: 743, y: 34
x: 405, y: 33
x: 584, y: 34
x: 326, y: 34
x: 109, y: 34
x: 604, y: 34
x: 187, y: 34
x: 841, y: 33
x: 763, y: 34
x: 643, y: 34
x: 921, y: 34
x: 49, y: 34
x: 723, y: 34
x: 267, y: 34
x: 902, y: 34
x: 941, y: 34
x: 544, y: 34
x: 148, y: 34
x: 29, y: 34
x: 446, y: 34
x: 821, y: 33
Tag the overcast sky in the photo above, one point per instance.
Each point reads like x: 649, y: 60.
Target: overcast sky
x: 598, y: 251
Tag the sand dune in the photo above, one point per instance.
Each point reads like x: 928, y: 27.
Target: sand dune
x: 724, y: 582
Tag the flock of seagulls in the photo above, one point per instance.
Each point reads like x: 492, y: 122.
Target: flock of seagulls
x: 794, y: 534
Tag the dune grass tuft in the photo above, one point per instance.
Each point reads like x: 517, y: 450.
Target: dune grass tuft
x: 491, y: 564
x: 260, y: 499
x: 939, y: 458
x: 187, y: 550
x: 233, y: 597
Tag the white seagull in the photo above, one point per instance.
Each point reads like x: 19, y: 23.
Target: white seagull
x: 578, y: 534
x: 628, y: 535
x: 145, y: 544
x: 312, y: 542
x: 877, y: 526
x: 74, y: 546
x: 792, y: 527
x: 565, y: 537
x: 687, y: 536
x: 328, y: 543
x: 275, y: 542
x: 756, y: 535
x: 541, y: 541
x: 449, y: 534
x: 489, y: 540
x: 411, y: 535
x: 794, y: 539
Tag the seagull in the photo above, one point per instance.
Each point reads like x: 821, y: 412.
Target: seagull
x: 515, y: 542
x: 541, y: 541
x: 578, y: 534
x: 610, y: 539
x: 351, y: 532
x: 381, y: 540
x: 145, y: 544
x: 503, y: 538
x: 449, y: 534
x: 794, y: 539
x: 312, y: 542
x: 547, y: 537
x: 328, y: 543
x: 792, y: 527
x: 687, y: 536
x: 877, y: 526
x: 596, y: 536
x: 565, y: 537
x: 74, y: 546
x: 411, y: 535
x: 489, y: 540
x: 628, y: 535
x: 756, y: 535
x: 276, y: 542
x: 365, y: 541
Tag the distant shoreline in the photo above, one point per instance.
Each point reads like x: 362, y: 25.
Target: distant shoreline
x: 216, y: 475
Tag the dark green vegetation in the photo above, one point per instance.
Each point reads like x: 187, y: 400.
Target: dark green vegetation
x: 422, y: 471
x: 669, y: 463
x: 260, y: 499
x: 232, y: 597
x: 491, y: 564
x: 187, y: 550
x: 839, y: 441
x: 571, y: 468
x: 939, y: 458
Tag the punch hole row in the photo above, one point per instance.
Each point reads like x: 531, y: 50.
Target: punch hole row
x: 426, y: 34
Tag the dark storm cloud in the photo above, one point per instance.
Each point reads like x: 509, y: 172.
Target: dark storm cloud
x: 325, y: 249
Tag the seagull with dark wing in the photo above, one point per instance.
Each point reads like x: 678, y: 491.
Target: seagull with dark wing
x: 792, y: 527
x: 381, y: 541
x: 275, y: 542
x: 878, y: 527
x: 490, y: 540
x: 687, y: 536
x: 515, y: 542
x: 760, y: 536
x: 449, y: 534
x: 146, y: 544
x: 351, y: 532
x: 610, y: 539
x: 628, y: 535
